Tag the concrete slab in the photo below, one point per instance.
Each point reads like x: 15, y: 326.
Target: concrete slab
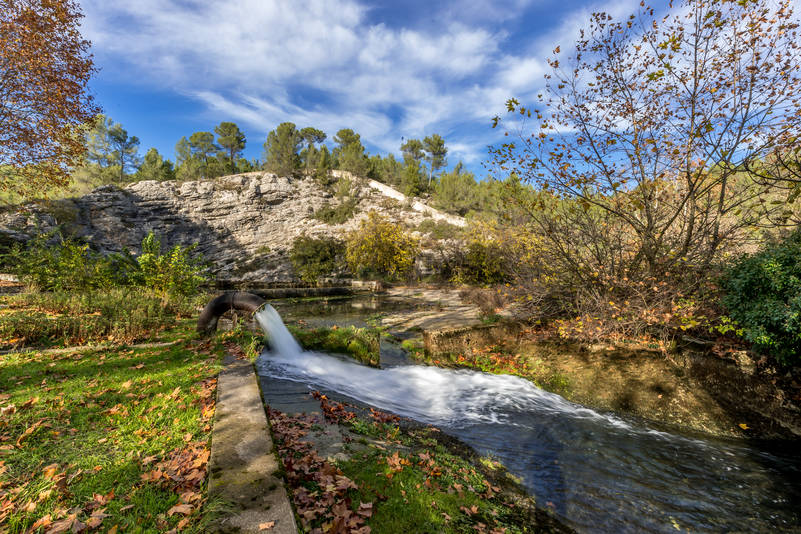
x: 243, y: 465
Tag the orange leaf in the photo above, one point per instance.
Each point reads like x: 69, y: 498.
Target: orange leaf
x: 184, y: 509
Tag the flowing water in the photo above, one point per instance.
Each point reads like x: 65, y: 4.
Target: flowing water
x: 599, y: 473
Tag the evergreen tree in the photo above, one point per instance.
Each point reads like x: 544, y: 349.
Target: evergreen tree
x: 457, y: 192
x: 412, y: 151
x: 124, y: 149
x: 310, y: 157
x: 98, y: 149
x: 281, y: 150
x: 387, y: 170
x: 188, y: 167
x: 435, y: 151
x: 410, y: 179
x: 203, y: 148
x: 349, y: 153
x: 154, y: 167
x: 231, y: 140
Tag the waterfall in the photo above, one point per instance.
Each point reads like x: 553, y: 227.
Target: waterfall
x: 281, y: 339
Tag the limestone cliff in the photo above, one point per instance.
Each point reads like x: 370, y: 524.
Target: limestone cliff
x: 244, y: 224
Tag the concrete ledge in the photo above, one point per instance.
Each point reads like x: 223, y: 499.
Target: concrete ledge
x: 243, y: 464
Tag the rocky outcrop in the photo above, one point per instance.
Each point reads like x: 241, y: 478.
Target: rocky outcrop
x: 244, y: 224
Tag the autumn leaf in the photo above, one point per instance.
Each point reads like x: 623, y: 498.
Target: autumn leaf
x: 266, y: 526
x: 184, y: 509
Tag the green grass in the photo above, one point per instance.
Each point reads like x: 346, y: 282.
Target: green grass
x: 360, y: 343
x: 79, y: 425
x: 72, y: 318
x: 411, y: 479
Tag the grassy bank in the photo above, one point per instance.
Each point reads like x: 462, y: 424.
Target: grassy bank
x: 391, y: 477
x: 360, y: 343
x: 114, y: 438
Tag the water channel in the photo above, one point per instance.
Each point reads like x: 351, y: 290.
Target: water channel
x: 597, y: 472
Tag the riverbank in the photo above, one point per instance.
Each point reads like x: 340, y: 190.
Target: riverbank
x: 357, y: 471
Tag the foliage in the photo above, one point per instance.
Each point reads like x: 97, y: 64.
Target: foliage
x: 231, y: 139
x: 435, y: 149
x: 53, y: 263
x: 360, y: 343
x: 89, y: 444
x: 482, y: 259
x: 349, y: 153
x: 315, y: 257
x: 45, y: 66
x: 648, y: 128
x: 155, y: 167
x: 763, y: 295
x: 439, y: 229
x: 174, y: 273
x: 457, y: 192
x: 381, y: 247
x: 72, y: 317
x: 281, y: 150
x: 338, y: 214
x: 50, y: 262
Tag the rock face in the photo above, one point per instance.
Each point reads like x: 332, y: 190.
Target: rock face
x: 243, y: 224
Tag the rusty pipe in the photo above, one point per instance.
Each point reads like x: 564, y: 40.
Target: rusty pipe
x: 235, y: 300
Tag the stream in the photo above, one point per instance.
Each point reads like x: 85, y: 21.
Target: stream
x: 596, y: 472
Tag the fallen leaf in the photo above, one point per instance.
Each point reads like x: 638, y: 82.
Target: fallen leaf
x: 50, y: 471
x: 266, y: 526
x: 42, y: 522
x: 743, y: 426
x: 184, y: 509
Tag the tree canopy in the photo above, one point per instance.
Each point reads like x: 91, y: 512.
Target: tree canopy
x: 45, y: 66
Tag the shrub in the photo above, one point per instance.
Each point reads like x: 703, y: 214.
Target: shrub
x: 314, y: 257
x: 53, y: 263
x: 439, y: 229
x: 67, y: 265
x: 763, y: 295
x: 176, y: 273
x: 338, y: 214
x: 381, y: 247
x: 481, y: 263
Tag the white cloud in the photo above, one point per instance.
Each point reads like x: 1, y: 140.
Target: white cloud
x: 244, y: 58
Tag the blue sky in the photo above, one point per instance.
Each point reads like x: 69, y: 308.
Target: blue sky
x: 387, y: 69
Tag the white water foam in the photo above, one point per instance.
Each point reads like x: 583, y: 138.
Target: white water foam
x: 446, y: 397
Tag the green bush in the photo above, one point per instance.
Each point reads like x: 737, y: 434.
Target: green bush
x: 67, y: 265
x: 176, y: 273
x: 315, y: 257
x: 762, y: 293
x: 53, y: 263
x: 338, y: 214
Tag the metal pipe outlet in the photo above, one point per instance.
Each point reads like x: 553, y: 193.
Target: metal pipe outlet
x: 236, y: 300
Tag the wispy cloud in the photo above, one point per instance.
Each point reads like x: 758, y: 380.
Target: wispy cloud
x: 257, y: 62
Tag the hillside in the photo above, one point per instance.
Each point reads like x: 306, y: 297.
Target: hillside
x: 244, y: 224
